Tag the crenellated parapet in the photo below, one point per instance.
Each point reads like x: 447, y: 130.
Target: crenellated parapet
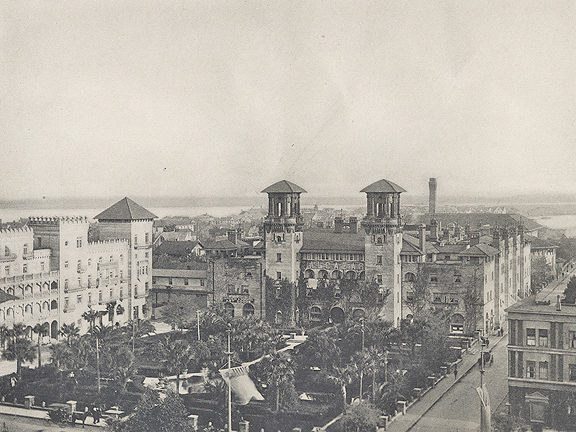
x: 57, y: 220
x: 15, y: 231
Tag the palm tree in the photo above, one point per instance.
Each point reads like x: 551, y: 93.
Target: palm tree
x: 4, y: 333
x: 110, y: 307
x: 69, y: 331
x: 177, y: 355
x: 41, y: 330
x: 20, y: 349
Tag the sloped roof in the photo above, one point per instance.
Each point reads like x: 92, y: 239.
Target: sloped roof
x: 175, y: 235
x: 480, y: 249
x: 477, y: 220
x: 411, y: 245
x: 383, y: 186
x: 125, y: 209
x: 452, y: 248
x: 225, y: 245
x: 177, y: 248
x: 329, y: 241
x: 4, y: 297
x: 284, y: 186
x: 539, y: 243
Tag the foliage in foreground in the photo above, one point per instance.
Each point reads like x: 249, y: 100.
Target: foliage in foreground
x: 156, y: 414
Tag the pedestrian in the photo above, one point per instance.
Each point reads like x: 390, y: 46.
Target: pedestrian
x: 487, y: 342
x: 455, y: 372
x: 86, y: 412
x: 491, y: 359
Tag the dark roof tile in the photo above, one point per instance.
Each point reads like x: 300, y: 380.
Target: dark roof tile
x: 125, y: 209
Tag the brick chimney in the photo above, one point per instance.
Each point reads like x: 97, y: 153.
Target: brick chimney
x: 338, y: 224
x: 353, y: 224
x: 233, y: 236
x: 432, y: 198
x: 422, y: 232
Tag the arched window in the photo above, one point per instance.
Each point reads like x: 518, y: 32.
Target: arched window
x: 457, y: 324
x: 54, y: 305
x: 45, y: 306
x: 28, y: 309
x: 6, y: 251
x: 322, y: 274
x: 315, y: 314
x: 248, y: 310
x: 358, y: 314
x: 350, y: 275
x: 336, y: 274
x: 25, y: 249
x: 54, y: 285
x: 278, y: 318
x: 10, y: 291
x: 309, y: 274
x: 409, y: 277
x: 10, y: 313
x: 229, y: 309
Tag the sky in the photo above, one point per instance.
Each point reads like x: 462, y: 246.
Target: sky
x: 223, y: 98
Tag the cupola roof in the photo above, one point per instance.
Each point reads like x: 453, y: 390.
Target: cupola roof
x: 284, y: 186
x: 125, y: 209
x: 383, y: 186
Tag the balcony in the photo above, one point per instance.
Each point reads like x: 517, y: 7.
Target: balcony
x: 8, y: 258
x: 143, y: 246
x: 81, y: 269
x: 69, y: 308
x: 28, y: 256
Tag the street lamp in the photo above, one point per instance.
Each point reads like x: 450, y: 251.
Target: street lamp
x: 229, y: 353
x: 198, y: 322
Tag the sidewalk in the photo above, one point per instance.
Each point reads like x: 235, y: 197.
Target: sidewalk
x: 42, y: 414
x: 403, y: 423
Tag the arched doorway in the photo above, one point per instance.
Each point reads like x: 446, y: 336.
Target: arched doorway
x: 315, y: 315
x: 358, y: 314
x: 457, y: 324
x: 229, y: 309
x: 309, y: 274
x: 54, y: 330
x: 248, y: 310
x: 337, y: 315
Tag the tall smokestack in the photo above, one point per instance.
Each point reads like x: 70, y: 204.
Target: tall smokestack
x: 432, y: 198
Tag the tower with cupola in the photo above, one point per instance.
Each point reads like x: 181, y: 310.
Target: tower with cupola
x: 283, y: 230
x: 383, y: 243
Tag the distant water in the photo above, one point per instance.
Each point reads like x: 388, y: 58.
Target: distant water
x: 562, y: 222
x: 11, y: 214
x: 8, y: 215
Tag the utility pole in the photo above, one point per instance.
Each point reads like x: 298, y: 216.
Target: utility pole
x: 362, y: 366
x: 229, y: 381
x: 482, y: 384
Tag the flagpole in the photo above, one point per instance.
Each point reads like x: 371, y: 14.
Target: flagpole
x: 482, y: 426
x: 229, y: 382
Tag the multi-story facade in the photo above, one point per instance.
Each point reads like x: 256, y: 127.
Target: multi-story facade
x: 56, y: 274
x: 326, y: 260
x: 473, y: 275
x: 29, y: 286
x: 542, y: 362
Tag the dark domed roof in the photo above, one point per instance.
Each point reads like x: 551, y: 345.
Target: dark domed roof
x: 383, y: 186
x: 283, y: 186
